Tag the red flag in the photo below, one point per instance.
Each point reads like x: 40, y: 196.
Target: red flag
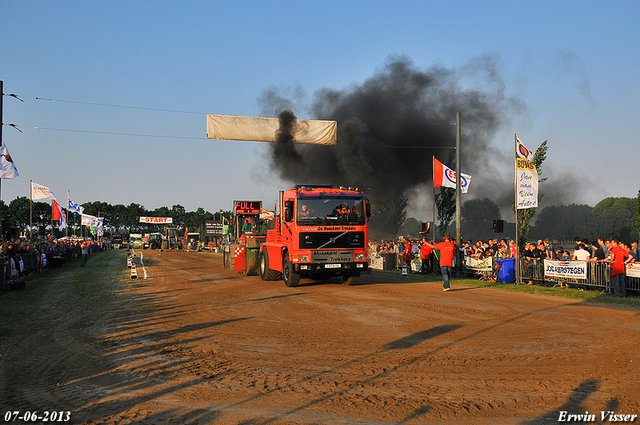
x: 438, y: 172
x: 56, y: 210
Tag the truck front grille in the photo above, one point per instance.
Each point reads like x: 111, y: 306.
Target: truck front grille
x: 332, y: 240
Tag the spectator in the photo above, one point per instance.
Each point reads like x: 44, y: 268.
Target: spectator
x: 563, y: 255
x: 632, y: 256
x: 548, y: 250
x: 581, y: 254
x: 447, y: 251
x: 425, y: 256
x: 618, y: 257
x: 598, y: 253
x: 513, y: 248
x: 407, y: 256
x: 636, y: 250
x: 578, y: 241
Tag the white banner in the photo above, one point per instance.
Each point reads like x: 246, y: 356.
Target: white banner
x: 565, y: 269
x: 257, y: 129
x: 485, y: 265
x: 89, y: 220
x: 633, y: 270
x: 39, y: 191
x: 526, y: 178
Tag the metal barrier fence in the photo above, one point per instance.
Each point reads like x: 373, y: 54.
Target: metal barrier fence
x: 598, y: 276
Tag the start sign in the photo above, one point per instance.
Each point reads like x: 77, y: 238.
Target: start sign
x: 247, y: 207
x: 156, y: 220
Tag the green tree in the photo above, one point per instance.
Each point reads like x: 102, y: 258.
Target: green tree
x: 637, y: 216
x: 42, y: 216
x: 119, y: 216
x: 19, y: 210
x: 525, y: 216
x: 411, y: 228
x: 477, y: 218
x: 446, y: 205
x: 564, y: 222
x: 179, y: 215
x: 615, y: 218
x: 132, y: 216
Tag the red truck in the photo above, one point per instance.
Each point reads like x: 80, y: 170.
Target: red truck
x: 319, y: 231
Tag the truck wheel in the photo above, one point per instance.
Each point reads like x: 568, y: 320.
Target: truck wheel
x: 290, y: 277
x: 351, y: 278
x: 265, y: 272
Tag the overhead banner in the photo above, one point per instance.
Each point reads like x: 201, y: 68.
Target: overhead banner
x: 156, y: 220
x: 259, y: 129
x: 565, y: 269
x: 526, y: 178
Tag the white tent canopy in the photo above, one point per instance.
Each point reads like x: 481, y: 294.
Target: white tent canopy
x: 256, y: 129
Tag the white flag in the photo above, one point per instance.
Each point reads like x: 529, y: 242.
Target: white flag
x: 90, y: 220
x: 39, y: 191
x: 8, y: 169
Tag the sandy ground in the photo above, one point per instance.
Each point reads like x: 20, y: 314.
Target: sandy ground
x: 190, y: 342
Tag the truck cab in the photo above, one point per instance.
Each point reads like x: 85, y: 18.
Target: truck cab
x: 319, y: 231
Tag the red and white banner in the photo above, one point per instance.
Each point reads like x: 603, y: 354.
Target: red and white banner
x: 444, y: 176
x: 633, y: 270
x: 156, y: 220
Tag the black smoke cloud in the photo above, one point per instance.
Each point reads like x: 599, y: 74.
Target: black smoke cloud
x: 391, y: 125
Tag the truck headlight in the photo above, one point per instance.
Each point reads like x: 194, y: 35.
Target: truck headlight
x: 304, y: 258
x: 359, y: 256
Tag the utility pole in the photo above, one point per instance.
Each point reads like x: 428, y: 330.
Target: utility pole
x: 1, y: 142
x: 458, y: 194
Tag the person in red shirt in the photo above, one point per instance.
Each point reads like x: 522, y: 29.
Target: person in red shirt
x: 447, y: 251
x: 617, y: 256
x: 425, y: 256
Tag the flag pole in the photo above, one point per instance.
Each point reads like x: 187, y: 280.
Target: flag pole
x: 515, y: 192
x: 30, y: 209
x: 433, y: 189
x: 68, y: 196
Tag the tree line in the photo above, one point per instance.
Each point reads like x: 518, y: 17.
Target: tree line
x: 611, y: 218
x: 117, y: 218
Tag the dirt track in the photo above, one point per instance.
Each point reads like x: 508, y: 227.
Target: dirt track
x: 196, y: 343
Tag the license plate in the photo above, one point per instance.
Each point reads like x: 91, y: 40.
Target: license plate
x: 332, y: 266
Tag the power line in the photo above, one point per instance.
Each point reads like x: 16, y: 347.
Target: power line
x: 114, y: 133
x: 114, y: 106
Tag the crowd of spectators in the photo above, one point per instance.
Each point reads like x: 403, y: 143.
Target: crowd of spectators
x: 611, y: 251
x: 25, y: 256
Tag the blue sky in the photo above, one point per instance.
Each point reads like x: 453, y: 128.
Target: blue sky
x: 164, y: 65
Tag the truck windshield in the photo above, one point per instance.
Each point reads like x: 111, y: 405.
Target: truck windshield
x: 330, y: 210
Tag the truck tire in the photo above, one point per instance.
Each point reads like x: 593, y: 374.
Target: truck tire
x: 351, y: 278
x: 290, y: 277
x: 265, y: 272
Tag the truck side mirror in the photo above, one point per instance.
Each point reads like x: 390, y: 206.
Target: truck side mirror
x: 367, y: 207
x: 288, y: 211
